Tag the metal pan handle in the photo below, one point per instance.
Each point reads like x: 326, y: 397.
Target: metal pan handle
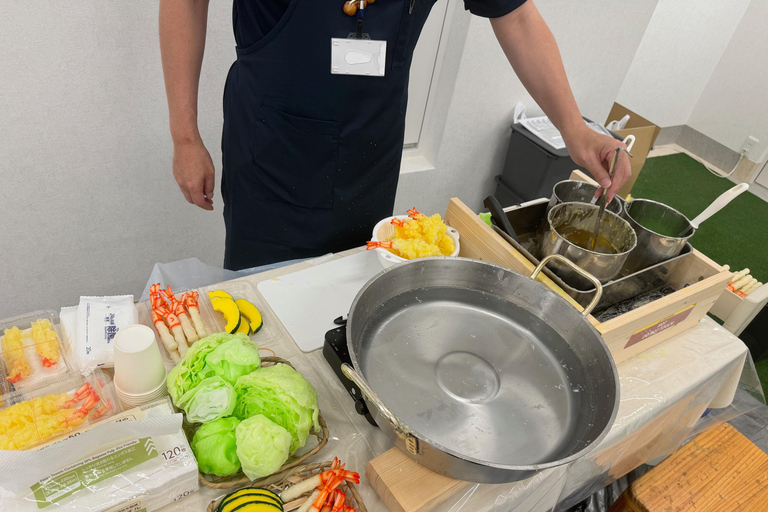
x: 580, y: 271
x: 368, y: 393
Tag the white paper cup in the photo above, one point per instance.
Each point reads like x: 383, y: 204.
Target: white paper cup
x: 128, y: 400
x: 139, y: 368
x: 160, y: 390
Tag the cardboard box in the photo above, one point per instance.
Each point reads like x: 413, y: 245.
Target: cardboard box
x: 645, y: 133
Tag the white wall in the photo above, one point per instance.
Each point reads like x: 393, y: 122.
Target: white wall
x: 679, y: 51
x: 734, y: 103
x: 88, y: 203
x: 87, y: 199
x: 590, y: 34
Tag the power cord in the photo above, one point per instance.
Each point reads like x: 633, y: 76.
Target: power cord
x: 716, y: 173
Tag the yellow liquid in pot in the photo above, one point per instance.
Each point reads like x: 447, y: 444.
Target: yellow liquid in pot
x: 583, y: 239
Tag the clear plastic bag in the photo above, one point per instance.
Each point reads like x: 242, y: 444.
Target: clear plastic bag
x: 667, y: 396
x: 192, y: 273
x: 664, y: 393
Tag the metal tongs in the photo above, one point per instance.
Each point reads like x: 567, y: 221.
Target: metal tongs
x: 602, y: 199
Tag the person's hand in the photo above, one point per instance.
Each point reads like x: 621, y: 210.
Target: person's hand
x: 594, y: 152
x: 194, y: 172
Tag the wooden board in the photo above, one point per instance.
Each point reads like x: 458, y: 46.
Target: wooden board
x: 718, y: 471
x: 406, y: 486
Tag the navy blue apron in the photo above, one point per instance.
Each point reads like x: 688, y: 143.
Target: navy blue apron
x: 311, y: 160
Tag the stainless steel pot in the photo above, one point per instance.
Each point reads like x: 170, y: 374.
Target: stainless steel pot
x: 663, y: 231
x: 653, y: 247
x: 581, y: 216
x: 575, y: 191
x: 480, y: 373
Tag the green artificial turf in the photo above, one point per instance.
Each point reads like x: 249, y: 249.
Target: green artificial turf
x: 736, y: 236
x: 762, y: 372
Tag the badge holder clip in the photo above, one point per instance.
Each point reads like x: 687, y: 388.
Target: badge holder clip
x: 358, y: 54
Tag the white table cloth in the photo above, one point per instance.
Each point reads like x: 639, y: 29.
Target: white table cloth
x: 664, y: 392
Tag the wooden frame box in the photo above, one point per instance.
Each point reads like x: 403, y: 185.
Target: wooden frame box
x: 699, y: 283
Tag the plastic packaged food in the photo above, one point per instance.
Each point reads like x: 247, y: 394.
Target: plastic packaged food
x: 214, y: 321
x: 98, y: 320
x: 198, y: 307
x: 138, y: 460
x: 32, y: 350
x: 39, y: 415
x: 242, y: 289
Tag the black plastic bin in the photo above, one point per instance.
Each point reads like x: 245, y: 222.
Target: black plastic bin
x: 531, y: 169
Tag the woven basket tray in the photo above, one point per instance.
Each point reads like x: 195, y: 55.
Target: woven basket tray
x: 278, y: 482
x: 239, y: 479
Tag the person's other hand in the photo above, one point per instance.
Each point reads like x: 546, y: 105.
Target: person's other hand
x: 194, y: 172
x: 594, y: 152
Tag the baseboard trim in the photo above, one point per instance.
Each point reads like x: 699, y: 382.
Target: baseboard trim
x: 695, y: 142
x: 668, y: 135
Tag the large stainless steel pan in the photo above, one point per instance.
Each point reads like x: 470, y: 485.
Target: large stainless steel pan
x: 478, y: 372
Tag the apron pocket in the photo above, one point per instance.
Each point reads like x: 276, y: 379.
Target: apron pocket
x: 295, y: 159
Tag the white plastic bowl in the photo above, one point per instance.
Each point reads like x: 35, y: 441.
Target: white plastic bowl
x: 384, y: 230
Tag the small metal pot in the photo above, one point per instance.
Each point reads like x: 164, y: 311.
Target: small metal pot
x: 581, y: 216
x: 575, y: 191
x: 653, y: 247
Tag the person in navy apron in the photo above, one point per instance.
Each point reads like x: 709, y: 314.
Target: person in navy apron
x: 311, y: 156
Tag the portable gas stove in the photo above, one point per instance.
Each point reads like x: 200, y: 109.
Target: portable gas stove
x: 336, y: 353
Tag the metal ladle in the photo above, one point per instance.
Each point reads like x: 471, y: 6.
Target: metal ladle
x: 602, y: 199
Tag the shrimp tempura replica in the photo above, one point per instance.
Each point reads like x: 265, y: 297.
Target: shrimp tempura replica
x: 419, y: 236
x: 46, y: 342
x: 13, y: 354
x: 178, y: 321
x: 190, y: 299
x: 178, y: 309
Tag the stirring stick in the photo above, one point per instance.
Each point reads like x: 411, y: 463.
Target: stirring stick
x: 601, y: 211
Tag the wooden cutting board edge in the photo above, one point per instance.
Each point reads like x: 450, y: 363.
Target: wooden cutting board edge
x: 406, y: 486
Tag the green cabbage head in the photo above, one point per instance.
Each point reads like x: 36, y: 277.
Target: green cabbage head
x: 262, y: 446
x: 215, y: 447
x: 281, y: 394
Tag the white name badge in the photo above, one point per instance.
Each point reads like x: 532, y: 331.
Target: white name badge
x: 364, y: 57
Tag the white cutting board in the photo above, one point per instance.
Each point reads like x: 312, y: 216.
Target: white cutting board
x: 308, y: 301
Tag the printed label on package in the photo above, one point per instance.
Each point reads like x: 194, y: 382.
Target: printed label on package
x: 134, y: 506
x: 661, y: 325
x: 94, y: 469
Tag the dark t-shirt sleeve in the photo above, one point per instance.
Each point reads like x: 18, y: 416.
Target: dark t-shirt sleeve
x: 492, y: 8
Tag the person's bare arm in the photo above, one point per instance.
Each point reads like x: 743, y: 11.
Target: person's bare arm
x: 533, y: 53
x: 182, y: 43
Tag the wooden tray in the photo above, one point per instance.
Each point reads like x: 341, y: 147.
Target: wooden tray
x: 699, y: 283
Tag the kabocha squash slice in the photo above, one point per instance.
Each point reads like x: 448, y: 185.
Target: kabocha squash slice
x: 250, y: 495
x: 251, y: 314
x: 243, y: 499
x: 244, y: 326
x: 228, y: 308
x: 219, y: 293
